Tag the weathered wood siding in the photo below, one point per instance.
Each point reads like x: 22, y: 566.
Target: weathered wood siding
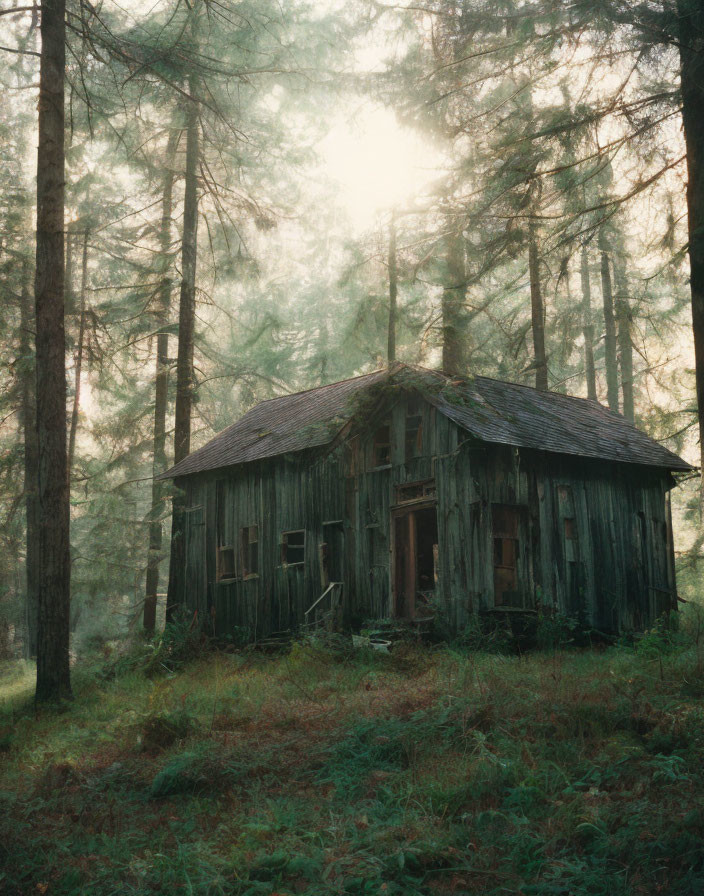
x: 611, y: 563
x: 279, y: 496
x: 616, y: 572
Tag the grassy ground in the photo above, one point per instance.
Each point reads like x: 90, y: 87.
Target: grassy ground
x: 321, y: 771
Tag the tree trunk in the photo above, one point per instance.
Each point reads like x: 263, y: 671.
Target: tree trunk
x: 28, y: 414
x: 453, y: 296
x: 393, y: 292
x: 53, y: 673
x: 184, y: 361
x: 588, y: 326
x: 625, y: 345
x: 79, y: 357
x: 160, y: 393
x: 691, y: 42
x: 609, y: 327
x: 537, y: 309
x: 68, y: 275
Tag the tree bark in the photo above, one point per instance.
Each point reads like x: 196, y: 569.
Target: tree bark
x: 28, y: 420
x: 184, y: 361
x: 588, y: 325
x: 393, y: 292
x: 79, y: 357
x: 691, y: 43
x: 624, y: 320
x: 53, y: 672
x: 68, y: 275
x: 609, y: 327
x: 537, y: 309
x: 453, y: 296
x: 161, y: 381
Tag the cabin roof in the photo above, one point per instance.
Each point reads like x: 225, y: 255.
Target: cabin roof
x: 491, y: 411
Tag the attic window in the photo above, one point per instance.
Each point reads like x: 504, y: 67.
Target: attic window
x: 382, y: 446
x: 504, y: 520
x: 416, y: 491
x: 414, y: 432
x: 293, y: 547
x: 226, y: 563
x: 249, y: 550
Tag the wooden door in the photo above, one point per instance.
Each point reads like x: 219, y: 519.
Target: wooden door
x: 414, y: 559
x: 332, y: 554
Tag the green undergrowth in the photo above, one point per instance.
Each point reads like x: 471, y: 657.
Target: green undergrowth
x: 328, y: 770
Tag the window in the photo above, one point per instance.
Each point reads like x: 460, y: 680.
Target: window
x: 226, y: 563
x: 382, y: 446
x: 504, y: 519
x: 249, y: 550
x: 293, y: 547
x: 416, y: 491
x: 414, y: 431
x: 570, y: 529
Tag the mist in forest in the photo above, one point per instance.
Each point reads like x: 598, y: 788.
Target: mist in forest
x: 233, y: 175
x: 351, y: 421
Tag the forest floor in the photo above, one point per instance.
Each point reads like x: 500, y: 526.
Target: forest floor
x: 331, y: 771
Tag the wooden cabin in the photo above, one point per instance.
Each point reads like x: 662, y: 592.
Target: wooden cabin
x: 411, y: 494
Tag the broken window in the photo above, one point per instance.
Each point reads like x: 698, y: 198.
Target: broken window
x: 382, y: 446
x: 249, y: 550
x: 293, y: 547
x: 226, y: 563
x: 504, y: 519
x: 414, y: 431
x: 415, y: 491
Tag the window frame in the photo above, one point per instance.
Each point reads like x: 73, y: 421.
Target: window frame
x: 381, y: 463
x: 222, y: 576
x: 245, y: 548
x: 424, y: 490
x: 285, y: 545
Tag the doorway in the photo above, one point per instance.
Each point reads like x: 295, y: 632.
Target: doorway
x: 415, y: 560
x: 332, y: 552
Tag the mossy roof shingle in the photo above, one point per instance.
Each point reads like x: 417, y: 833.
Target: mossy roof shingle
x: 491, y: 411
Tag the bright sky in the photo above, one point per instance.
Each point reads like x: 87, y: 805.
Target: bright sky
x: 377, y: 163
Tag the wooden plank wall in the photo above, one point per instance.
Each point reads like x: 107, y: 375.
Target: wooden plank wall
x: 278, y: 496
x: 616, y: 570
